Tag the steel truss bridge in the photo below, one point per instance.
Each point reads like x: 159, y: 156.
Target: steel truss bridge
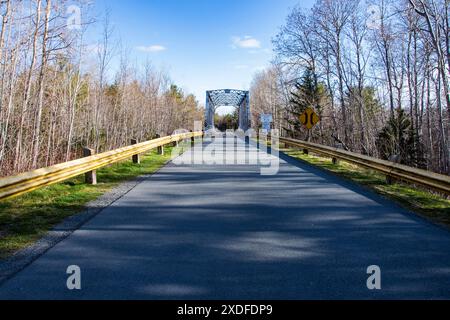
x: 228, y: 97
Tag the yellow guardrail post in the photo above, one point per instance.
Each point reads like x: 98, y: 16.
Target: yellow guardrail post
x: 91, y: 176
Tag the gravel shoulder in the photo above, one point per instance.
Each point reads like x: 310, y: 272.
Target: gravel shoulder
x: 13, y: 265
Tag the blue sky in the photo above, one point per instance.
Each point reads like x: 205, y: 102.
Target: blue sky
x: 204, y: 44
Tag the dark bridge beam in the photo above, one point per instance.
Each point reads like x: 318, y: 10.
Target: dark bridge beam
x: 228, y: 97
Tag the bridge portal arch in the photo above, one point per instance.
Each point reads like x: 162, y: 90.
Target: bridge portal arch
x: 228, y: 97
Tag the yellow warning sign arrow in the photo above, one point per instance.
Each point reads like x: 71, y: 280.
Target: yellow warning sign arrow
x: 309, y: 118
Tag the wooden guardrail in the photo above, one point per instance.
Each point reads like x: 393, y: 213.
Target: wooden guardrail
x: 30, y: 181
x: 437, y: 182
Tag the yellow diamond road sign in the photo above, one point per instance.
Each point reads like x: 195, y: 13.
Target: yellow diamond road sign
x: 309, y: 118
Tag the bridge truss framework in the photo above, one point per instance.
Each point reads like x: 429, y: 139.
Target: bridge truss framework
x: 228, y: 97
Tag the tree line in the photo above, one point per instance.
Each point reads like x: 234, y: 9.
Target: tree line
x: 377, y: 72
x: 58, y: 92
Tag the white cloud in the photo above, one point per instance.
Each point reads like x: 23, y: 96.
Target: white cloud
x: 247, y: 42
x: 154, y: 48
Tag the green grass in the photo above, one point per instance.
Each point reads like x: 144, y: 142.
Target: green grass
x: 416, y: 199
x: 25, y: 219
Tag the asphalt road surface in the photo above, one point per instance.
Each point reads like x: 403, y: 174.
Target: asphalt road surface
x: 227, y: 232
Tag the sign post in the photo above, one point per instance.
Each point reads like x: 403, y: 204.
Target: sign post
x: 266, y: 120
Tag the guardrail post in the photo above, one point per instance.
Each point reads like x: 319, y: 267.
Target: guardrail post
x: 160, y: 148
x: 287, y: 145
x: 90, y: 177
x: 136, y: 158
x: 338, y: 146
x: 192, y: 139
x: 396, y: 159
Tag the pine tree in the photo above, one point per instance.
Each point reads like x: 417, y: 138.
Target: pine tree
x: 398, y: 138
x: 308, y: 93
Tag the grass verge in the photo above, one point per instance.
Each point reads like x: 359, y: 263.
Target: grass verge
x: 25, y: 219
x: 424, y: 203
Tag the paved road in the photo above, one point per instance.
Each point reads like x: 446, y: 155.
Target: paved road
x: 226, y: 232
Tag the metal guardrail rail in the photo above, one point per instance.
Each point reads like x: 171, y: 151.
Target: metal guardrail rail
x: 30, y: 181
x: 438, y: 182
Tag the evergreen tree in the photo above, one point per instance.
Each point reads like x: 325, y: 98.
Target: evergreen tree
x: 398, y: 138
x: 308, y: 93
